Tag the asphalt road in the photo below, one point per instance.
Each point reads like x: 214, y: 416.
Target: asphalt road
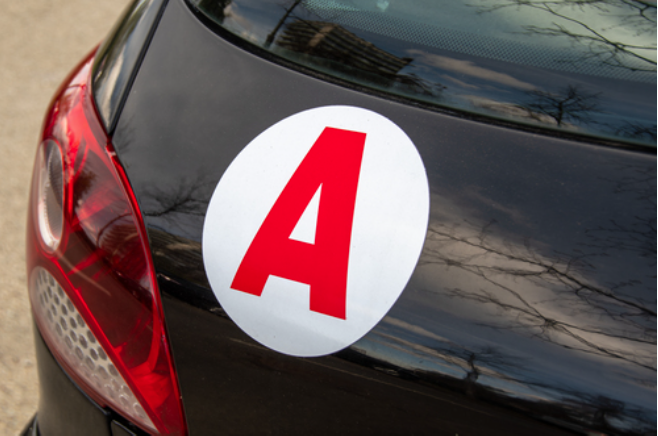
x: 40, y: 41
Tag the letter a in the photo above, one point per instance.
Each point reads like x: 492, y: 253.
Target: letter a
x: 333, y: 162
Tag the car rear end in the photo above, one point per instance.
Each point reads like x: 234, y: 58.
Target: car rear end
x: 527, y: 303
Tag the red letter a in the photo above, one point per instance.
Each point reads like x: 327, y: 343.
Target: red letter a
x: 333, y: 162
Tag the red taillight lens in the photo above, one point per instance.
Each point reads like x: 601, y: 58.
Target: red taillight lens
x: 92, y: 282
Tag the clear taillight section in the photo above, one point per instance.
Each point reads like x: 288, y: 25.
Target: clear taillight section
x: 91, y: 278
x: 50, y: 195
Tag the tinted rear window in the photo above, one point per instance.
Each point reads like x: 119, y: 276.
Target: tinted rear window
x: 585, y: 66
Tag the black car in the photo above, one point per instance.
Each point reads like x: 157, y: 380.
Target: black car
x: 351, y: 216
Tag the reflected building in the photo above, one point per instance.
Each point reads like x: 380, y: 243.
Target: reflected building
x: 332, y: 42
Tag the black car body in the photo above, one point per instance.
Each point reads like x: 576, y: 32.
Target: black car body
x: 529, y: 308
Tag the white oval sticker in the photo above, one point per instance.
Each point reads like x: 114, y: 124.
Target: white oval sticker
x: 315, y: 228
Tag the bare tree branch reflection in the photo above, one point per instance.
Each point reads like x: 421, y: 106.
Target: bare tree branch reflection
x: 570, y: 104
x: 598, y: 42
x: 638, y: 131
x: 178, y: 208
x: 495, y: 374
x: 270, y: 36
x: 566, y: 296
x: 180, y: 205
x: 188, y: 196
x: 214, y: 8
x: 638, y: 238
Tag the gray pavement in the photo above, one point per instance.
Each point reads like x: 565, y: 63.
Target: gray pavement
x: 40, y: 41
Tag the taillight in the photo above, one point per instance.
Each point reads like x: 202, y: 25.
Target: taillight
x: 91, y: 278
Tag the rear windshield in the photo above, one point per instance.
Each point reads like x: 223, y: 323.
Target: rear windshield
x: 585, y: 66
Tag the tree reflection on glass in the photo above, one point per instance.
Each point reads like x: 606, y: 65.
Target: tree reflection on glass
x: 585, y: 23
x: 570, y: 104
x: 637, y: 130
x: 215, y: 8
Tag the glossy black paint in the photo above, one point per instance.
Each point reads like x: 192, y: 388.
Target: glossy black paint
x: 532, y: 307
x: 117, y: 59
x: 237, y: 386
